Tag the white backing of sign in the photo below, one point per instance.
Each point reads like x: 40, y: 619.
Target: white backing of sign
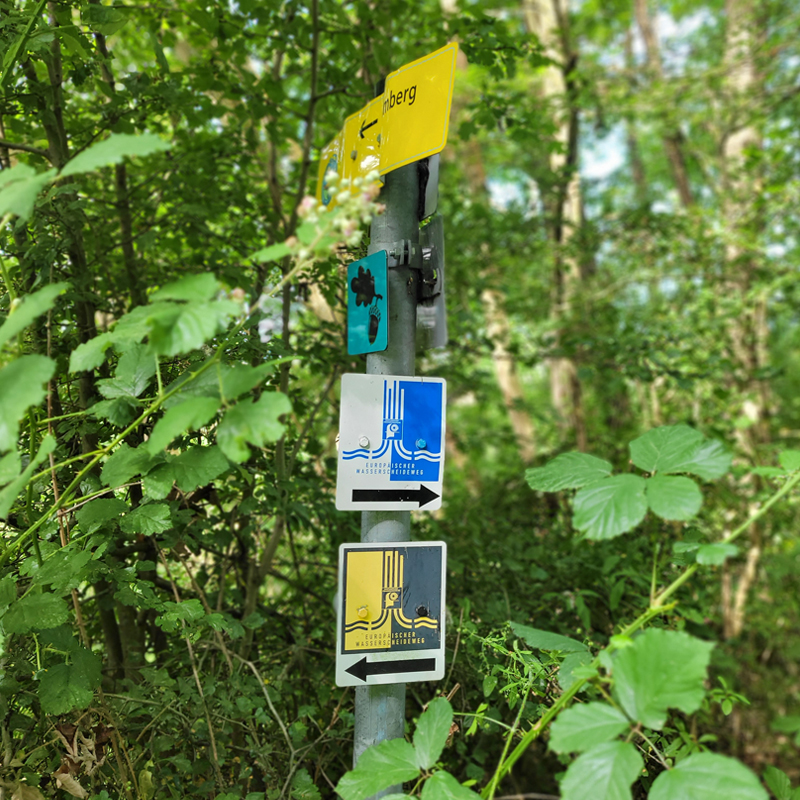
x: 390, y: 613
x: 391, y: 443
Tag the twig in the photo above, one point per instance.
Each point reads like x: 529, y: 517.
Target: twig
x: 27, y: 148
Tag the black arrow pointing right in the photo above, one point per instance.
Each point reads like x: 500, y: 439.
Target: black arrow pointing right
x: 363, y: 669
x: 423, y: 495
x: 367, y: 127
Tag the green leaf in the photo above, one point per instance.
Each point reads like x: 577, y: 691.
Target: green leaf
x: 119, y: 412
x: 574, y: 663
x: 789, y: 459
x: 274, y: 252
x: 567, y: 471
x: 380, y: 766
x: 113, y: 150
x: 709, y: 461
x: 91, y: 354
x: 582, y: 727
x: 63, y: 569
x: 124, y: 463
x: 241, y: 378
x: 545, y: 640
x: 182, y: 328
x: 9, y: 494
x: 303, y: 787
x: 661, y: 670
x: 661, y: 449
x: 253, y: 423
x: 136, y: 367
x: 193, y: 288
x: 67, y: 686
x: 8, y: 591
x: 673, y: 497
x: 19, y: 189
x: 186, y: 611
x: 94, y: 515
x: 706, y: 775
x: 31, y: 307
x: 609, y: 507
x: 35, y: 612
x: 157, y: 484
x: 198, y: 466
x: 10, y: 466
x: 679, y: 448
x: 605, y: 772
x: 715, y: 554
x: 146, y: 519
x: 189, y: 415
x: 778, y: 782
x: 443, y: 786
x: 432, y: 731
x: 22, y: 385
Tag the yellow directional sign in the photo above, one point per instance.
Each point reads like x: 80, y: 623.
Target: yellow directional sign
x: 390, y: 615
x: 408, y: 122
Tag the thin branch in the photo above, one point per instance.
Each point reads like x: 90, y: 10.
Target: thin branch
x: 27, y: 148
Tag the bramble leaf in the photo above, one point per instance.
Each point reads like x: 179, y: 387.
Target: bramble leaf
x: 192, y: 288
x: 135, y: 368
x: 197, y: 466
x: 705, y: 775
x: 35, y: 612
x: 146, y: 519
x: 180, y: 328
x: 432, y: 731
x: 9, y: 493
x: 124, y: 463
x: 443, y: 786
x: 253, y: 423
x: 673, y: 497
x: 567, y: 471
x: 605, y: 772
x: 97, y: 513
x: 20, y: 187
x: 583, y: 726
x: 609, y: 507
x: 778, y: 782
x: 716, y: 553
x: 661, y: 670
x: 189, y: 415
x: 790, y: 460
x: 22, y: 384
x: 242, y: 378
x: 67, y: 686
x: 113, y: 150
x: 380, y: 766
x: 545, y: 640
x: 660, y: 449
x: 32, y: 306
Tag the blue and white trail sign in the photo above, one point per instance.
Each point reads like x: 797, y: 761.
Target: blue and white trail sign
x: 391, y: 443
x: 367, y: 305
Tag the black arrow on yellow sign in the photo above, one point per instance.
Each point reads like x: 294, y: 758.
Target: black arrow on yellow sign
x: 367, y: 127
x: 363, y: 669
x: 423, y: 495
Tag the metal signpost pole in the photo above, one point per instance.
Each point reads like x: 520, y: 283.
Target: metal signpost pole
x: 380, y: 710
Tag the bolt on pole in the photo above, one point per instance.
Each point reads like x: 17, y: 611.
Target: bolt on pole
x: 380, y: 710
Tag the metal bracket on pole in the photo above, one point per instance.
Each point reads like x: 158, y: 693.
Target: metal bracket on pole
x: 406, y: 253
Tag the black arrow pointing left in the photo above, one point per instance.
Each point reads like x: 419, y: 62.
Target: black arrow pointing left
x: 365, y: 127
x: 363, y: 669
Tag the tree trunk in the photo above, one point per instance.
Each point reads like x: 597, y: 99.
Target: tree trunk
x: 548, y: 19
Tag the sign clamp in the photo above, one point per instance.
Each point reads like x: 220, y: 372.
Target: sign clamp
x: 408, y: 253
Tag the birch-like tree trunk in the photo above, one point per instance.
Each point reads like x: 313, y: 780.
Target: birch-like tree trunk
x: 548, y: 20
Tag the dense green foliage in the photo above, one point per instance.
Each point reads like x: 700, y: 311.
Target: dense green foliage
x: 620, y: 201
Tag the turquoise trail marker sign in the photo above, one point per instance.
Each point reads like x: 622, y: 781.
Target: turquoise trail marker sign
x: 367, y: 305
